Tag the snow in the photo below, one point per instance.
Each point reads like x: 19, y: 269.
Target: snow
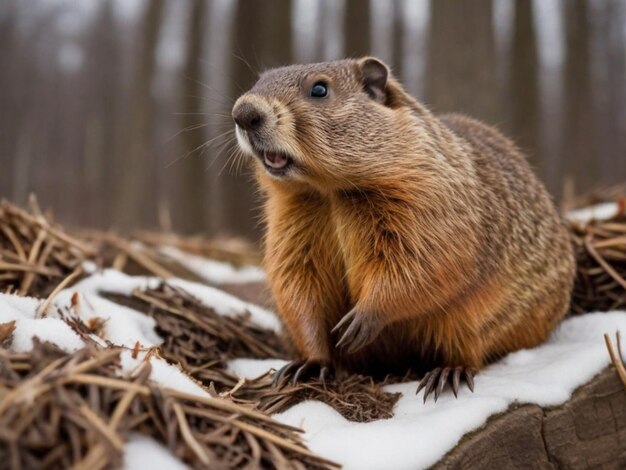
x: 165, y: 374
x: 603, y: 211
x: 123, y: 326
x: 420, y: 434
x: 144, y: 452
x: 23, y: 310
x: 228, y: 305
x: 215, y: 272
x: 110, y: 280
x: 253, y: 368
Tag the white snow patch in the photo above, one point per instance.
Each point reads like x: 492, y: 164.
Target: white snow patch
x: 110, y: 280
x: 213, y: 271
x: 253, y: 368
x: 228, y: 305
x: 123, y: 326
x: 420, y: 434
x: 23, y: 311
x: 144, y: 452
x: 603, y: 211
x: 165, y: 374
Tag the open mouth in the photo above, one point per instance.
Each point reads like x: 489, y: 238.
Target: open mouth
x: 276, y: 163
x: 275, y: 160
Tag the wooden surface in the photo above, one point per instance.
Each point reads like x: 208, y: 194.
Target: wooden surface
x: 589, y: 431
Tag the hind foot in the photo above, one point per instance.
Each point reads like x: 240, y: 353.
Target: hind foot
x: 301, y: 371
x: 437, y: 379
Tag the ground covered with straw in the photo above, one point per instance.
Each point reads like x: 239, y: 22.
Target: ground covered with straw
x: 60, y: 409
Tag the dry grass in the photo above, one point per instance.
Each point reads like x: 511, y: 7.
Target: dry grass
x: 60, y: 410
x: 85, y: 411
x: 601, y: 264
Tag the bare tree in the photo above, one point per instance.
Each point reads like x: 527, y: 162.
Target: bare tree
x: 577, y: 146
x: 524, y: 86
x: 101, y: 81
x: 398, y: 37
x: 193, y: 167
x: 357, y: 28
x: 462, y: 73
x: 8, y: 83
x: 136, y: 197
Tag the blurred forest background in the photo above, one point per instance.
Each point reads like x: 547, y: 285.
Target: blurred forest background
x: 114, y: 111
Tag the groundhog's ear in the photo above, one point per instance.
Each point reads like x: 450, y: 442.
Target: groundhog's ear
x: 374, y: 75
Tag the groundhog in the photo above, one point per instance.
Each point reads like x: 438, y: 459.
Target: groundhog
x: 395, y: 238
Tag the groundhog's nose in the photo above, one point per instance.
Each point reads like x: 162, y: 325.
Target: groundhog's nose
x: 248, y: 116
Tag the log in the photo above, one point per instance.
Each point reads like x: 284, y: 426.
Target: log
x: 588, y: 431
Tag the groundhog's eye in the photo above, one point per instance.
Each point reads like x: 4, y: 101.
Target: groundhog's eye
x: 319, y: 90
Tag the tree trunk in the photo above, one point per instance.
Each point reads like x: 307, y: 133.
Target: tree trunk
x: 398, y: 34
x: 136, y: 200
x: 357, y: 28
x: 524, y: 91
x: 461, y: 74
x: 193, y: 187
x: 577, y: 145
x: 102, y: 76
x: 588, y: 431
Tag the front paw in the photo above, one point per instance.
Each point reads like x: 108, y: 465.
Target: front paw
x: 303, y: 370
x: 357, y: 329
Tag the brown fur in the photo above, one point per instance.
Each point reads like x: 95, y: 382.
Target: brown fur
x: 434, y: 228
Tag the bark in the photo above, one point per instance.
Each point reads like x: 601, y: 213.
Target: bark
x: 461, y: 74
x: 101, y: 75
x: 577, y: 147
x: 524, y: 97
x: 136, y: 200
x: 398, y: 38
x: 357, y: 28
x: 588, y: 431
x: 193, y: 187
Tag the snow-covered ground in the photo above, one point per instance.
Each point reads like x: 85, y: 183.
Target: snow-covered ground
x: 416, y: 437
x: 603, y: 211
x: 215, y: 272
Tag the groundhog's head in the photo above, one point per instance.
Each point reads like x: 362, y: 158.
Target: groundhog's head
x: 327, y: 124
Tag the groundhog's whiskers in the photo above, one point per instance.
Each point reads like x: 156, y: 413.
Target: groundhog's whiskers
x: 235, y: 160
x: 202, y: 147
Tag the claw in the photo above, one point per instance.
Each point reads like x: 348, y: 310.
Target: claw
x: 324, y: 374
x: 431, y: 382
x: 283, y: 371
x: 443, y: 379
x: 346, y: 318
x: 349, y: 332
x: 422, y: 383
x: 345, y: 337
x: 357, y: 330
x: 456, y: 381
x: 437, y: 379
x: 469, y: 378
x: 301, y: 370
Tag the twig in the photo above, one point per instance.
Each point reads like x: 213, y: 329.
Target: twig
x: 188, y: 436
x: 42, y: 311
x: 607, y: 267
x: 617, y: 361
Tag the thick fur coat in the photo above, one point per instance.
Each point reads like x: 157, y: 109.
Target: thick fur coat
x: 431, y: 232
